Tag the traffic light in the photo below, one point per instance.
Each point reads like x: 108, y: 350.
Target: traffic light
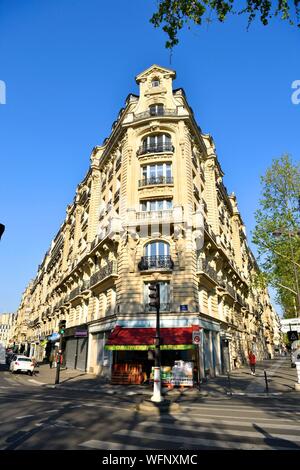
x: 154, y: 298
x: 62, y: 327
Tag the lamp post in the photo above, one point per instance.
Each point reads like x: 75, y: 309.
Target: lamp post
x: 154, y: 296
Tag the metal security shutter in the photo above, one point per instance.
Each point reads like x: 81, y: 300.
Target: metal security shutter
x: 71, y: 345
x: 81, y: 353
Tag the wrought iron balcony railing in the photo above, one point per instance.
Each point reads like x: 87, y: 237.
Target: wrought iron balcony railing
x: 155, y: 112
x: 74, y: 293
x: 156, y: 262
x: 144, y: 149
x: 203, y: 266
x: 108, y: 270
x: 156, y: 180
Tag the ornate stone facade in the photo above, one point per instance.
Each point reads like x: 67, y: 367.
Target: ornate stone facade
x: 152, y: 207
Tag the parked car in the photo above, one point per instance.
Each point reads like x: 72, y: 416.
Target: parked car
x: 21, y: 364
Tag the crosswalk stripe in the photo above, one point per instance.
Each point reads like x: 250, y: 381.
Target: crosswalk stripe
x: 242, y: 409
x: 198, y: 427
x: 95, y: 444
x: 195, y: 441
x: 250, y: 419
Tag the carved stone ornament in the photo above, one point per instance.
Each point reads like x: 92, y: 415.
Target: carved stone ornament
x: 180, y: 250
x: 132, y: 242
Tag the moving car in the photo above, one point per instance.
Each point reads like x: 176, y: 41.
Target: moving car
x: 21, y: 364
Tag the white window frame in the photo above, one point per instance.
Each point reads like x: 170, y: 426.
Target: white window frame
x: 156, y: 201
x: 157, y: 243
x: 155, y: 165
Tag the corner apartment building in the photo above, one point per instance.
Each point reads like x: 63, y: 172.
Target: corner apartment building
x: 152, y: 208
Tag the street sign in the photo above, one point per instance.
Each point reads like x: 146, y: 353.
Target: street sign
x: 196, y: 337
x: 184, y: 308
x: 292, y: 335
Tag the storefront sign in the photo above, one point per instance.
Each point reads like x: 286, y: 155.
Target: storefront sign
x: 184, y: 308
x: 145, y: 347
x: 81, y: 333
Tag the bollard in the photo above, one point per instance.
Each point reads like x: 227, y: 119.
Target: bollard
x: 266, y: 380
x: 229, y: 383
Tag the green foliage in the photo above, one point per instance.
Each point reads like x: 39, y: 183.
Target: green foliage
x: 277, y: 231
x: 174, y: 14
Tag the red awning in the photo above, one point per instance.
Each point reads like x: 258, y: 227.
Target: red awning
x: 144, y: 338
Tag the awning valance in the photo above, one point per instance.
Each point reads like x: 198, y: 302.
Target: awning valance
x: 144, y: 338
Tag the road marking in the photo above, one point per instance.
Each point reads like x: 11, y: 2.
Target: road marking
x: 108, y: 406
x: 94, y: 444
x: 23, y: 417
x: 36, y: 382
x: 243, y: 409
x: 188, y: 441
x: 218, y: 422
x: 51, y: 411
x: 250, y: 418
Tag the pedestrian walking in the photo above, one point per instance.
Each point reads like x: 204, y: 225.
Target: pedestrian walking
x: 51, y: 359
x: 252, y: 362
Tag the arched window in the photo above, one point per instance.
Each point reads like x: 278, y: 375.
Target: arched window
x: 157, y: 143
x: 156, y: 255
x: 157, y: 248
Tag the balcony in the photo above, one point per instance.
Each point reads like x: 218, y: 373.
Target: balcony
x: 155, y: 113
x: 156, y: 180
x: 144, y: 149
x: 156, y: 262
x: 108, y: 270
x: 231, y: 291
x: 155, y: 215
x: 118, y: 164
x: 203, y: 266
x: 74, y: 293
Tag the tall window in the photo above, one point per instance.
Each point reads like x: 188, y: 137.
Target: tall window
x: 157, y: 248
x: 157, y: 205
x: 161, y: 172
x: 157, y: 143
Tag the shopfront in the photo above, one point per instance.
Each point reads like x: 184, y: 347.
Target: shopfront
x: 133, y: 355
x: 75, y: 347
x: 99, y: 358
x: 210, y: 349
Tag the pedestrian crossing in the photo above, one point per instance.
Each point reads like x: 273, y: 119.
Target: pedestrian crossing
x: 218, y: 425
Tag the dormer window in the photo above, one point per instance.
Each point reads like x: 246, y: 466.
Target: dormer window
x: 156, y: 110
x: 155, y: 82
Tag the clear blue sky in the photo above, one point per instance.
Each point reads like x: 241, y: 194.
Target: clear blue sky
x: 68, y: 66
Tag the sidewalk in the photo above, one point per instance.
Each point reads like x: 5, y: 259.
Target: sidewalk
x: 281, y: 380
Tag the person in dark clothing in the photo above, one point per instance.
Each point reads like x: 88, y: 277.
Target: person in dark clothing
x: 51, y: 359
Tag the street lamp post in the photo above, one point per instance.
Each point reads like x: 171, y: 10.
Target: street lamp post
x: 154, y: 296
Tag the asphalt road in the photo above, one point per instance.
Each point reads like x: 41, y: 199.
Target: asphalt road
x: 38, y: 418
